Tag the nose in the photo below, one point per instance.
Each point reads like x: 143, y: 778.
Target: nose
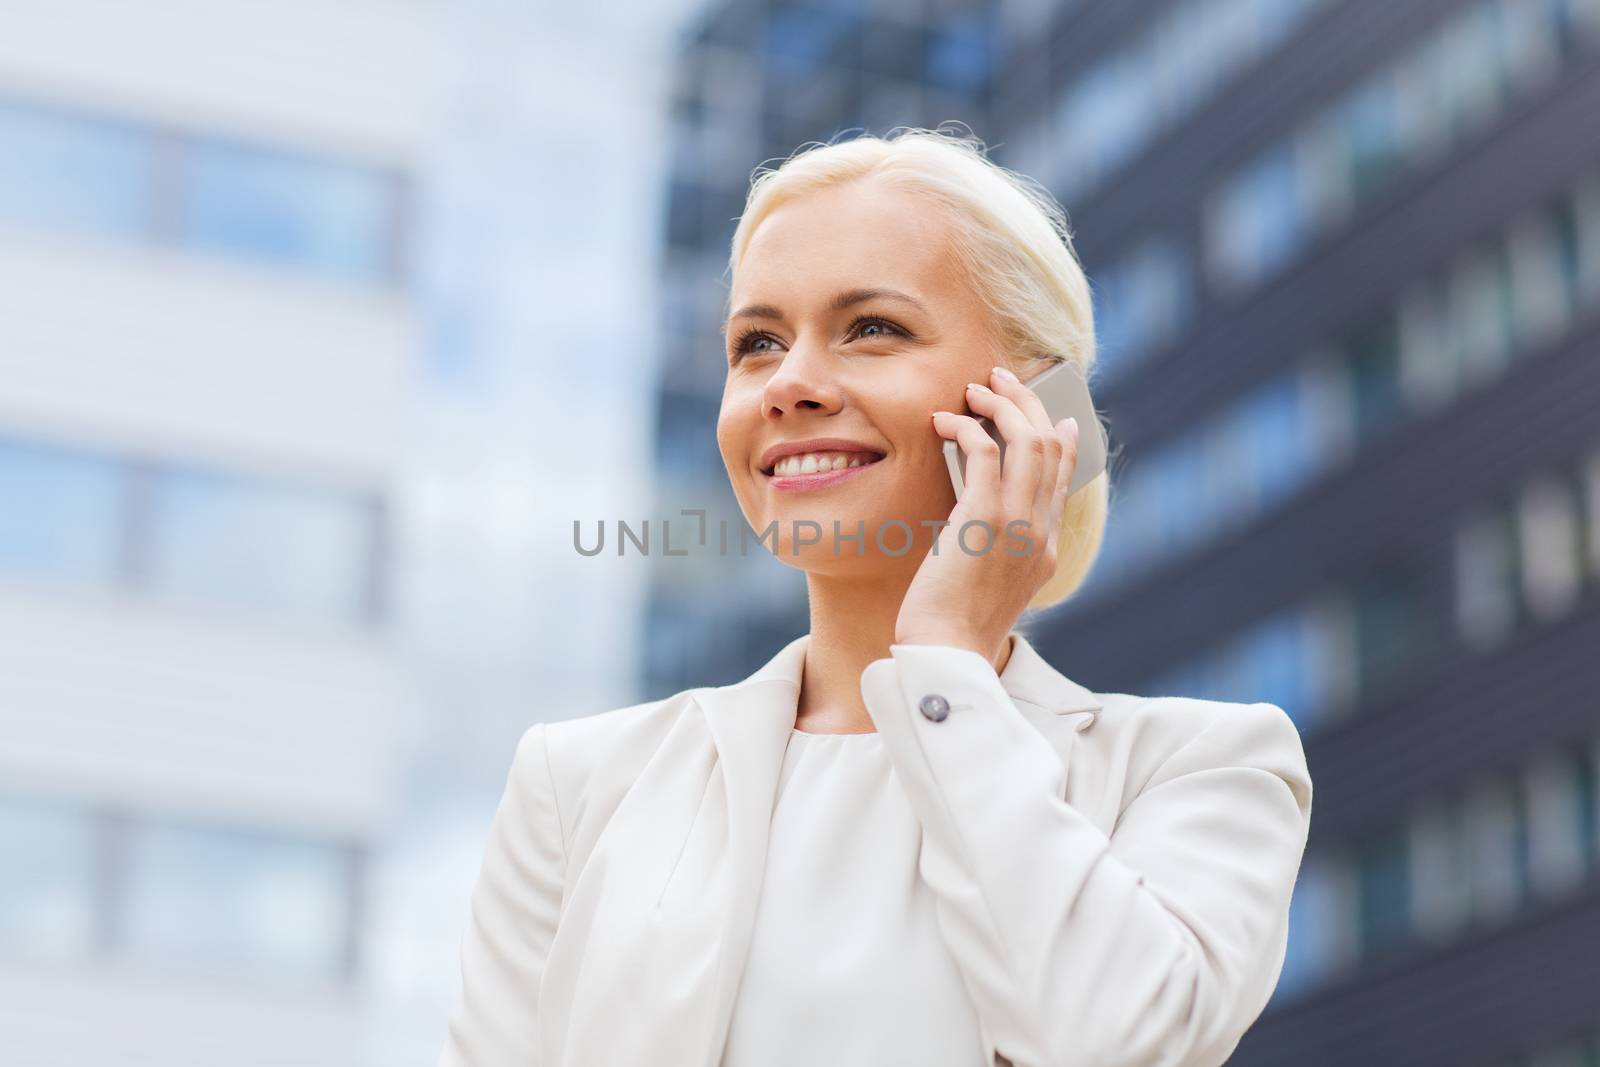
x: 806, y: 380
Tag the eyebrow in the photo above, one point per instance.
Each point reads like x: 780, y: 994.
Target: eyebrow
x: 848, y: 298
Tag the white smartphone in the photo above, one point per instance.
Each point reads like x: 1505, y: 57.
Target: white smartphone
x: 1063, y: 391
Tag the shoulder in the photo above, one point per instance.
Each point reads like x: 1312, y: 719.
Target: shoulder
x: 572, y: 759
x: 1163, y: 737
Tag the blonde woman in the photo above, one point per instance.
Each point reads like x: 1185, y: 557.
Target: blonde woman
x: 906, y: 839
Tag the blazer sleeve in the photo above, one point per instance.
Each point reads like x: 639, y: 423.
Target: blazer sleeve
x: 515, y: 905
x: 1155, y: 946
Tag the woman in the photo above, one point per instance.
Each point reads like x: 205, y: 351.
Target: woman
x: 906, y: 839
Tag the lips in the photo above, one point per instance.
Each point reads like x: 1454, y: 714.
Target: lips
x: 828, y: 449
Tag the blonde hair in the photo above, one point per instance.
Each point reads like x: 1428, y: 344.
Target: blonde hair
x: 1013, y: 241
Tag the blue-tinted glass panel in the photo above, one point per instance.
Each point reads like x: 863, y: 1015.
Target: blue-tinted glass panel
x: 282, y: 549
x: 1276, y: 418
x: 201, y: 896
x: 1315, y: 933
x: 1384, y: 881
x: 1374, y: 352
x: 1586, y: 770
x: 1260, y: 221
x: 76, y: 174
x: 60, y: 512
x: 1178, y: 480
x: 1279, y: 654
x: 960, y: 54
x: 317, y: 216
x: 799, y: 39
x: 1142, y: 301
x: 46, y: 879
x: 1370, y: 121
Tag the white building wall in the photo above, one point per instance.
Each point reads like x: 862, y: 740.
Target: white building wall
x: 140, y: 707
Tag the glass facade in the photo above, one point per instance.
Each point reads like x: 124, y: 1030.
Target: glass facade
x: 62, y: 507
x: 1183, y: 58
x: 1453, y: 332
x: 94, y: 176
x: 220, y: 898
x: 79, y: 882
x: 272, y: 549
x: 1438, y: 96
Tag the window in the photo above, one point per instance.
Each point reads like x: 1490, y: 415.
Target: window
x: 1586, y: 238
x: 74, y: 174
x: 1427, y: 370
x: 1480, y: 315
x: 92, y: 175
x: 1185, y: 56
x: 1440, y: 901
x: 1257, y: 220
x: 1321, y: 926
x: 207, y: 897
x: 1486, y: 592
x: 798, y: 40
x: 1143, y: 301
x: 1391, y: 625
x: 1498, y: 871
x: 1550, y: 539
x: 1279, y: 660
x: 1560, y: 794
x: 1383, y: 878
x: 1102, y: 118
x: 1374, y: 353
x: 1439, y: 94
x: 961, y: 52
x: 47, y: 865
x: 1591, y: 493
x: 288, y: 550
x: 1371, y: 120
x: 321, y: 217
x: 60, y: 513
x: 1275, y: 418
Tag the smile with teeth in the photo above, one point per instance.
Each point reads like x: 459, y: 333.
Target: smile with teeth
x: 821, y: 462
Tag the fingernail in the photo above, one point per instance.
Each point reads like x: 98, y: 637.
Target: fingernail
x: 1007, y: 375
x: 944, y: 413
x: 1072, y: 424
x: 975, y: 385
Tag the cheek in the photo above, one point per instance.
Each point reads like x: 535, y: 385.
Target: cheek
x: 732, y: 437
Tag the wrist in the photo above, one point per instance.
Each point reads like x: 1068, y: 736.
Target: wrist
x: 946, y: 638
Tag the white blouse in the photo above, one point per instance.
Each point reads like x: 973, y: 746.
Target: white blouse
x: 847, y: 966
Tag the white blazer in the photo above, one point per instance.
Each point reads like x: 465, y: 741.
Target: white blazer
x: 1112, y: 872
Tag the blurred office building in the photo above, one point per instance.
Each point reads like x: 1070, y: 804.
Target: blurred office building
x: 1346, y: 258
x: 205, y: 354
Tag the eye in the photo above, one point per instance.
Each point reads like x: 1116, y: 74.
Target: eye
x: 742, y: 342
x: 865, y: 321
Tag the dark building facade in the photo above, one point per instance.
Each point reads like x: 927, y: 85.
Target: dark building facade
x: 1346, y: 260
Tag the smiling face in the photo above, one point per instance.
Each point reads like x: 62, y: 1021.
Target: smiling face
x: 852, y: 323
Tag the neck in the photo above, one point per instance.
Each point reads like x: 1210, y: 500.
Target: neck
x: 852, y: 624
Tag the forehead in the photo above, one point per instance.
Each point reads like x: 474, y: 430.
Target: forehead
x: 864, y: 233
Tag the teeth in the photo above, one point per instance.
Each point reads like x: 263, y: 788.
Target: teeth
x: 815, y: 462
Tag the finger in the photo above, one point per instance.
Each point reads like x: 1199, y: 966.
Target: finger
x: 1067, y: 434
x: 1005, y: 382
x: 982, y: 454
x: 1026, y: 449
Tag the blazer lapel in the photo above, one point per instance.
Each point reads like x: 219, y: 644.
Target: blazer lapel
x: 656, y: 928
x: 1028, y: 677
